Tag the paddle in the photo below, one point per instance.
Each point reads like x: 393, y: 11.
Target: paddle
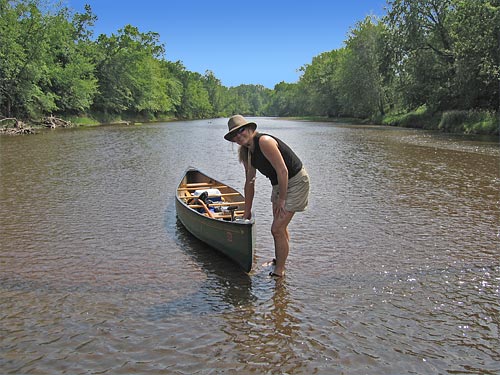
x: 209, y: 213
x: 201, y: 200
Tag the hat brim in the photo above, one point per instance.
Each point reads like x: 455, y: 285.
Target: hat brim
x: 229, y: 136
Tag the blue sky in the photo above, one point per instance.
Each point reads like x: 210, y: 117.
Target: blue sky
x: 241, y: 42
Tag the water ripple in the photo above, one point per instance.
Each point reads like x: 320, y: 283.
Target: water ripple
x: 392, y: 270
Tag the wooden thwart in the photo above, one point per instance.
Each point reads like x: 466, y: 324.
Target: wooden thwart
x: 200, y: 187
x: 218, y: 195
x: 217, y: 204
x: 199, y: 184
x: 225, y: 195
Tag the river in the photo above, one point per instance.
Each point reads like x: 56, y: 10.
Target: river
x: 393, y: 269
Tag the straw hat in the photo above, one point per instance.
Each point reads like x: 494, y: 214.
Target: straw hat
x: 236, y: 122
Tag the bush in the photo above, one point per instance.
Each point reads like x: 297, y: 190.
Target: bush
x: 470, y: 122
x: 421, y: 118
x: 467, y: 122
x: 82, y: 120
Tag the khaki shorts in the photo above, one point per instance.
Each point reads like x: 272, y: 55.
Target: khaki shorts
x: 297, y: 194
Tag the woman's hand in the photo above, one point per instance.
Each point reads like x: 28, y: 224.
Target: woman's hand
x: 279, y: 208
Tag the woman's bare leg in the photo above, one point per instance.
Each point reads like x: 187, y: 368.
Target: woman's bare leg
x: 279, y: 230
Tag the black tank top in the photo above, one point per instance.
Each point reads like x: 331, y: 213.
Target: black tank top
x: 260, y: 162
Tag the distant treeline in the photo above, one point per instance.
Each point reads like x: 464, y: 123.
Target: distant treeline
x: 426, y: 63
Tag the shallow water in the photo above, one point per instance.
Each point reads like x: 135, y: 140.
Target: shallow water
x: 394, y: 268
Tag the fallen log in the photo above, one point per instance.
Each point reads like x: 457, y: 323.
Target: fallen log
x: 55, y: 122
x: 17, y: 131
x: 18, y: 127
x: 15, y: 120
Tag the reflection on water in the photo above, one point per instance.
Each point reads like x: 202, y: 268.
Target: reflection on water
x: 393, y: 269
x: 226, y: 287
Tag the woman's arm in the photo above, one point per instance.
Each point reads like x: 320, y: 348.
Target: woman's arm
x: 250, y: 173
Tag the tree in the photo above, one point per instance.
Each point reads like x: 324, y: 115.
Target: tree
x: 71, y: 74
x: 359, y: 80
x: 130, y: 78
x: 22, y: 46
x: 446, y: 52
x: 215, y: 93
x: 475, y: 33
x: 43, y: 68
x: 284, y: 99
x: 195, y: 101
x: 318, y: 84
x: 253, y: 98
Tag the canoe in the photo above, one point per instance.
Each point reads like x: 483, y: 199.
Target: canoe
x: 213, y: 212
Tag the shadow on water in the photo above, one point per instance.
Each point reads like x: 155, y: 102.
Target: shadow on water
x: 226, y: 286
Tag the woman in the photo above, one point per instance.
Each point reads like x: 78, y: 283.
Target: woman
x: 289, y: 179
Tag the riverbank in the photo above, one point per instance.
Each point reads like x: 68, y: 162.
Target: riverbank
x: 480, y: 122
x: 471, y: 122
x: 14, y: 126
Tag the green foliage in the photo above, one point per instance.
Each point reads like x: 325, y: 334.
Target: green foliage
x: 49, y: 64
x: 470, y: 122
x: 360, y: 71
x: 475, y: 32
x: 195, y: 103
x: 439, y: 56
x: 285, y: 100
x: 82, y: 120
x: 445, y: 52
x: 251, y: 99
x: 456, y: 121
x: 433, y: 55
x: 420, y: 118
x: 130, y: 77
x: 318, y: 84
x: 21, y: 39
x: 42, y: 61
